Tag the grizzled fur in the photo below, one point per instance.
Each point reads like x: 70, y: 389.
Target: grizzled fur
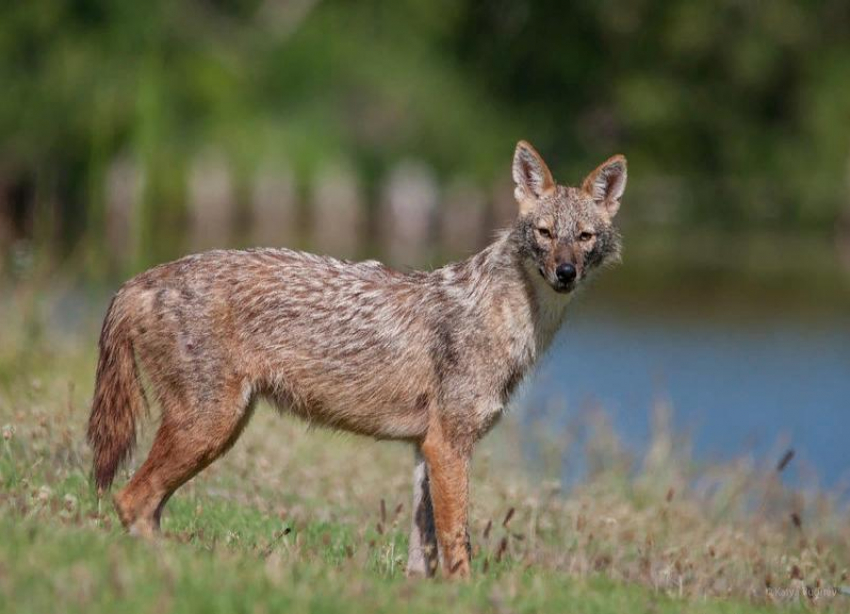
x: 426, y: 357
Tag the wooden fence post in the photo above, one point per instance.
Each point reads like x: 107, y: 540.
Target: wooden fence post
x: 337, y: 213
x: 124, y: 188
x: 408, y: 204
x: 463, y: 228
x: 211, y: 202
x: 274, y: 210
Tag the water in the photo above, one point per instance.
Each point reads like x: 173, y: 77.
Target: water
x: 736, y: 388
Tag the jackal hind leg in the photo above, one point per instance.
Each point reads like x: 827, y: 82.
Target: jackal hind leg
x: 422, y: 550
x: 448, y: 478
x: 188, y: 440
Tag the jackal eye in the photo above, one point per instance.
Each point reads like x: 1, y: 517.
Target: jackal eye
x: 544, y: 232
x: 584, y: 237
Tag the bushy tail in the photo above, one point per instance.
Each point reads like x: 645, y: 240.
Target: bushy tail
x: 118, y: 397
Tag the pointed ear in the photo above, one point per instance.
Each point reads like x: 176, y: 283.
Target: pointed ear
x: 607, y: 183
x: 531, y: 176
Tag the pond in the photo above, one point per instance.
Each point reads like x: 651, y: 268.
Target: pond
x: 736, y: 387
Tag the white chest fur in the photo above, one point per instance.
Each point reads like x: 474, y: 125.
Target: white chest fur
x: 549, y: 309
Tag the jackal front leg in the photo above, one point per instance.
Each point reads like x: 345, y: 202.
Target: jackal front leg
x: 448, y: 479
x: 422, y: 551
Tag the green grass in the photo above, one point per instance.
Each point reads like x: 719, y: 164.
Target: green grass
x: 53, y: 567
x: 298, y: 520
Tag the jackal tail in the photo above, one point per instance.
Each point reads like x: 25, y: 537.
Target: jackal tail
x: 118, y: 398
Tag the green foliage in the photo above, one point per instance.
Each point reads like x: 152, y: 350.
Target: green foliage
x: 733, y: 115
x: 745, y: 96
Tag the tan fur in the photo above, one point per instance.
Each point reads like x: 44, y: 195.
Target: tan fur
x: 426, y: 357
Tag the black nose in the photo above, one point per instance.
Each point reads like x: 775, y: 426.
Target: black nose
x: 566, y: 273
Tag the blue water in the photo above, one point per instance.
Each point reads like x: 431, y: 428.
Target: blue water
x: 737, y: 389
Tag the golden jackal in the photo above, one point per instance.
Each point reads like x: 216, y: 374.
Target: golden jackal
x: 426, y: 357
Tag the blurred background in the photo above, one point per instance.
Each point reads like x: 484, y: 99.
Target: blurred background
x: 132, y: 133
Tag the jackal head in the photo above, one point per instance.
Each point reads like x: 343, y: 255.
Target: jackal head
x: 566, y: 232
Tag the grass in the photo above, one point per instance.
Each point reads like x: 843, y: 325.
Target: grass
x: 299, y: 520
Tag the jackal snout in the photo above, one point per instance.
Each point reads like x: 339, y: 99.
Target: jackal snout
x: 566, y: 273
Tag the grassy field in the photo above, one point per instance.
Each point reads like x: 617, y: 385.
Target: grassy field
x: 302, y: 520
